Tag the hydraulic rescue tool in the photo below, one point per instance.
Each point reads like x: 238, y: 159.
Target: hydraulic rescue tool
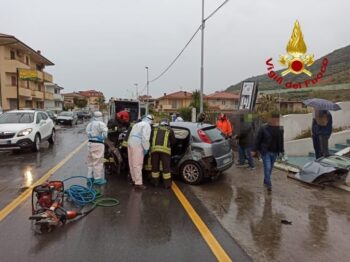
x: 48, y: 201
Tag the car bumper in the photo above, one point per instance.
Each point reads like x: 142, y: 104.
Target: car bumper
x: 213, y: 165
x: 16, y: 144
x: 64, y: 121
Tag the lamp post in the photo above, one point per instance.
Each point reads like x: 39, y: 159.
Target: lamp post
x: 138, y: 100
x: 202, y: 62
x: 147, y: 104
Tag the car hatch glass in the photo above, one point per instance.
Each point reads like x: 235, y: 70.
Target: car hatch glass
x: 213, y: 133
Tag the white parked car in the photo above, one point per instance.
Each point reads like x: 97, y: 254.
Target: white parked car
x: 21, y: 129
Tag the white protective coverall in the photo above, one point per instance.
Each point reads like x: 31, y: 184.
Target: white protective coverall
x: 97, y: 132
x: 138, y: 146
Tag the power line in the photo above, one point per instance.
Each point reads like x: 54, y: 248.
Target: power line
x: 177, y: 57
x: 183, y: 49
x: 217, y: 9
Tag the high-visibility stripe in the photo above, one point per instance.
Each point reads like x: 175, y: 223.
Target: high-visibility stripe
x: 166, y: 175
x: 155, y: 174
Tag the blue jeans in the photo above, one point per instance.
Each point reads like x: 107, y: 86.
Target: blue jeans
x: 244, y: 153
x: 269, y: 159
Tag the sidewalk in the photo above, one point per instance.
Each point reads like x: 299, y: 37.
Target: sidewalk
x: 320, y: 218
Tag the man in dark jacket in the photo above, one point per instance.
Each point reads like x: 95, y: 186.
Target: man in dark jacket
x: 321, y: 131
x: 245, y: 139
x: 269, y: 143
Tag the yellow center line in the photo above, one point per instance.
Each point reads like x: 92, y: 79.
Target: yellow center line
x: 213, y: 244
x: 24, y: 195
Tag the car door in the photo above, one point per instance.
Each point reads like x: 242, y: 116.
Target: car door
x: 41, y: 122
x: 47, y: 124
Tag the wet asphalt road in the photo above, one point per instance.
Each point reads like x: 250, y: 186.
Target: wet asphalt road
x: 153, y: 226
x: 147, y: 226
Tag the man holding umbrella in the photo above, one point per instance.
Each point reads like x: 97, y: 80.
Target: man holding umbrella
x: 321, y: 131
x: 322, y: 123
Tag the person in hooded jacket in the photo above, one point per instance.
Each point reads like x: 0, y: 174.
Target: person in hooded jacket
x: 138, y: 147
x: 224, y: 125
x: 97, y: 132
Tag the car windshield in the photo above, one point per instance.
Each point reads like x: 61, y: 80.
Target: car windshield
x: 16, y: 118
x: 66, y: 114
x: 214, y: 134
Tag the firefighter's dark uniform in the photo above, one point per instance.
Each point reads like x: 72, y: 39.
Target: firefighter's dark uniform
x: 162, y: 140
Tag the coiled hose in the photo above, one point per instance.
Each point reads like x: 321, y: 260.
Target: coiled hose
x: 87, y: 195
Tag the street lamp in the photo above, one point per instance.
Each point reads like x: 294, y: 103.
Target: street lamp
x: 147, y: 104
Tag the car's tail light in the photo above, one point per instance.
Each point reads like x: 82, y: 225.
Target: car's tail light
x: 203, y: 136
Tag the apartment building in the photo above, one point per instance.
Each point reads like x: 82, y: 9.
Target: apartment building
x: 93, y: 97
x: 171, y: 103
x: 53, y: 98
x: 16, y: 55
x: 68, y: 99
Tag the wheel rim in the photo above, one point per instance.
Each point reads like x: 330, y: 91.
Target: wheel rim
x: 37, y: 143
x: 53, y: 136
x: 191, y: 173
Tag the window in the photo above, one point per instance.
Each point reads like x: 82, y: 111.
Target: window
x: 13, y: 81
x: 56, y: 91
x: 223, y: 102
x: 27, y: 83
x: 12, y: 55
x: 44, y: 116
x: 27, y: 60
x: 174, y: 104
x: 13, y: 103
x: 38, y: 118
x: 28, y: 104
x: 16, y: 118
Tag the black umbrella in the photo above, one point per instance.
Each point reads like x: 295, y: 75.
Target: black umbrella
x: 321, y: 104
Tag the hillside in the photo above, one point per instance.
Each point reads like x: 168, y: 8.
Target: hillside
x: 338, y: 72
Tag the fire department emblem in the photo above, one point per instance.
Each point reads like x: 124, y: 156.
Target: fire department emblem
x: 296, y: 58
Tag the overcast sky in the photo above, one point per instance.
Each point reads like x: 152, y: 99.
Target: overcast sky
x: 105, y: 45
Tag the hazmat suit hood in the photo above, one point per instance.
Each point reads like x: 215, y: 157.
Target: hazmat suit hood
x: 97, y: 116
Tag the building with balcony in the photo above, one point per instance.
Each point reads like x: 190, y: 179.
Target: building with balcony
x: 222, y: 102
x: 68, y: 99
x: 53, y: 98
x: 14, y: 55
x: 92, y: 96
x: 171, y: 103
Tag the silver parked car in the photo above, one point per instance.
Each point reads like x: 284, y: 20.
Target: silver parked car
x: 201, y: 151
x: 67, y: 118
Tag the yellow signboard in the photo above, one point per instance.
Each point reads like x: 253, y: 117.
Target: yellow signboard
x: 27, y: 74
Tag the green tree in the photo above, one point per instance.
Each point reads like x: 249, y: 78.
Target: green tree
x: 185, y: 113
x: 195, y: 102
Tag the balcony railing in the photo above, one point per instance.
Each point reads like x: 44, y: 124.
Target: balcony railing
x: 48, y: 96
x: 10, y: 66
x: 37, y: 94
x: 58, y: 97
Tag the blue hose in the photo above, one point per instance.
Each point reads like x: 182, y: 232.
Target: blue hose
x: 81, y: 195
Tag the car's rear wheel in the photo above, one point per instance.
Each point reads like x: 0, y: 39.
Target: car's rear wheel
x: 36, y: 144
x: 191, y: 173
x: 52, y: 138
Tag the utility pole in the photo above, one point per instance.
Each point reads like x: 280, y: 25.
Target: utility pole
x: 138, y: 100
x: 202, y: 62
x: 147, y: 105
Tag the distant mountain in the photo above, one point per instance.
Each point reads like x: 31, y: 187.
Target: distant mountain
x: 338, y: 72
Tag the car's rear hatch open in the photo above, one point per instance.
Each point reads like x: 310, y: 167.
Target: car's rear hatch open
x: 221, y: 147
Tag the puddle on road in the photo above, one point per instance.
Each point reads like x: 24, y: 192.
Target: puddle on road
x: 259, y: 221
